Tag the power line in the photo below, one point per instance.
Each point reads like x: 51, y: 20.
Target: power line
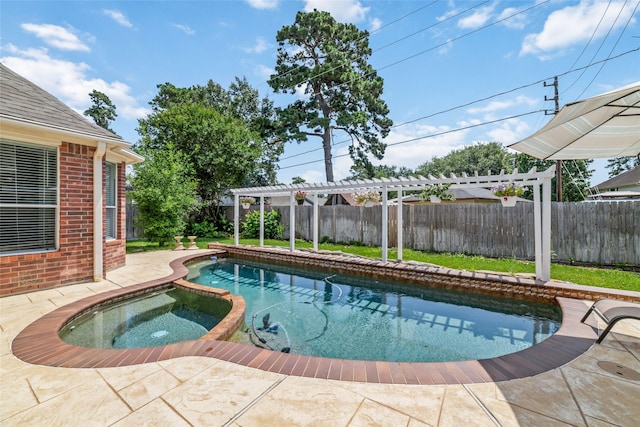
x: 293, y: 69
x: 614, y: 46
x: 433, y: 135
x: 429, y: 27
x: 486, y: 98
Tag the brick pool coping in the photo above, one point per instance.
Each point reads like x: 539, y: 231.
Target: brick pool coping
x: 39, y: 342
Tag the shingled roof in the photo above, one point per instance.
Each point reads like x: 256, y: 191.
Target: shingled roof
x: 23, y: 101
x: 629, y: 178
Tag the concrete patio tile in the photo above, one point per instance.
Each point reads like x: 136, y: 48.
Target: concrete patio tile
x: 547, y: 394
x: 13, y: 319
x: 419, y: 402
x: 150, y: 387
x: 298, y: 401
x: 508, y: 414
x: 416, y: 423
x: 103, y: 286
x: 371, y: 414
x: 125, y: 376
x: 599, y: 353
x: 5, y: 343
x: 214, y: 396
x: 154, y: 414
x: 47, y: 382
x: 593, y: 422
x: 185, y: 368
x: 44, y: 295
x: 615, y: 401
x: 16, y: 400
x: 91, y: 404
x: 459, y: 407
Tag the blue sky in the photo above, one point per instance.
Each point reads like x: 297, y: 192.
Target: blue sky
x: 455, y: 72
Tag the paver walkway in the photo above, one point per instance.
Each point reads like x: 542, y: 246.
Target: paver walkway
x: 201, y: 391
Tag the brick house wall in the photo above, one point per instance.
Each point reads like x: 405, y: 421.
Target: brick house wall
x: 73, y: 262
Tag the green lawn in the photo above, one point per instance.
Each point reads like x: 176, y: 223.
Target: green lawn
x: 589, y: 276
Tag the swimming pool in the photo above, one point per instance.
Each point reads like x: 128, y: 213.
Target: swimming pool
x: 308, y: 312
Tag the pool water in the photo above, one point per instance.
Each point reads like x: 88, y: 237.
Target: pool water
x: 309, y: 312
x: 152, y: 319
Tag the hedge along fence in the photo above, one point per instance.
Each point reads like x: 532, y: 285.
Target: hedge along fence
x: 606, y: 232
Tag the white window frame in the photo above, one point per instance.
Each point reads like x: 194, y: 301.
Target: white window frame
x: 52, y: 234
x: 111, y: 209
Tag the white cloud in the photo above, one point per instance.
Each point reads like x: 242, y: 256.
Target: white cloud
x: 477, y: 19
x: 69, y: 81
x: 341, y: 10
x: 118, y: 17
x: 263, y: 4
x: 424, y: 143
x: 574, y: 24
x: 374, y: 24
x: 185, y: 29
x: 56, y: 36
x: 264, y: 71
x: 516, y: 22
x: 495, y: 106
x: 260, y: 46
x: 510, y: 131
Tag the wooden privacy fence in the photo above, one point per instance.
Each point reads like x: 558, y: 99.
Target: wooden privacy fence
x: 606, y: 232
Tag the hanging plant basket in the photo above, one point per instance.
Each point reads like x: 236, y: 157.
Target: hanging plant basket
x: 246, y: 202
x: 435, y: 199
x: 508, y: 201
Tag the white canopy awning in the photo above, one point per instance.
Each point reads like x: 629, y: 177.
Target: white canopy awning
x: 605, y: 126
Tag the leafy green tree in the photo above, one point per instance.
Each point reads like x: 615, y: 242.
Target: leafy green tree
x: 382, y: 171
x: 622, y: 164
x: 575, y: 176
x: 219, y: 148
x: 328, y: 60
x: 240, y: 102
x: 298, y: 180
x: 164, y: 192
x: 102, y: 110
x: 478, y: 157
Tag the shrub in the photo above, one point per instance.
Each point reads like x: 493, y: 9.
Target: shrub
x: 272, y: 227
x: 203, y: 229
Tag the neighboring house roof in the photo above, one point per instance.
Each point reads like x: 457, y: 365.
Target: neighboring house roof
x: 469, y: 194
x: 616, y: 195
x: 628, y: 179
x: 24, y: 104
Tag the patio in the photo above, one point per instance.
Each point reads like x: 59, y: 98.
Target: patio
x: 205, y: 391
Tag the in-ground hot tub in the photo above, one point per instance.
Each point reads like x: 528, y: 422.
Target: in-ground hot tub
x: 155, y: 318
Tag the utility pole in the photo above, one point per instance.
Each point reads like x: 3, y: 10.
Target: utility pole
x: 555, y: 98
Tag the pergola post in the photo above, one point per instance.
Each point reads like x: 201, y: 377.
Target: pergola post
x: 385, y: 224
x: 261, y: 221
x: 537, y: 228
x: 292, y: 223
x: 236, y: 219
x: 315, y: 221
x: 545, y: 275
x: 400, y: 245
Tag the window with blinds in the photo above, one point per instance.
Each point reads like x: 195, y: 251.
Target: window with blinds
x: 111, y: 170
x: 28, y: 197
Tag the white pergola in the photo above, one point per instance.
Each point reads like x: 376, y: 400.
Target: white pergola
x: 539, y: 181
